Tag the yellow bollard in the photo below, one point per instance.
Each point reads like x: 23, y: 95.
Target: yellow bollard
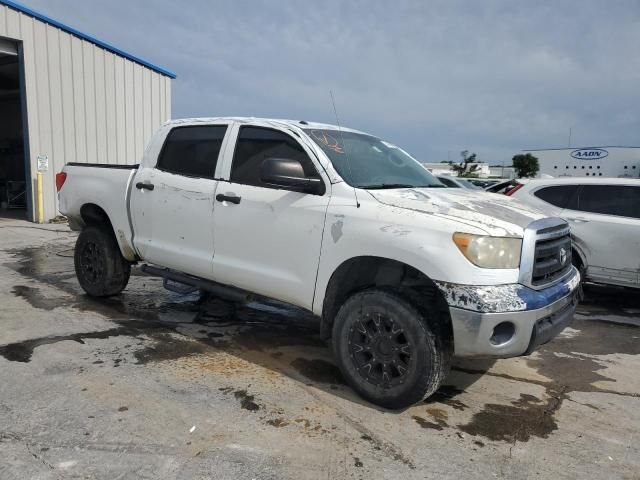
x: 40, y: 197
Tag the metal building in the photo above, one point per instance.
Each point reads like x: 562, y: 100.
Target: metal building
x: 68, y: 97
x: 603, y: 161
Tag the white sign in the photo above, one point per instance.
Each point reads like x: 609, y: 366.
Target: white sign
x: 43, y: 163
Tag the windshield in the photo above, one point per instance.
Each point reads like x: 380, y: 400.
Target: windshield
x: 364, y: 161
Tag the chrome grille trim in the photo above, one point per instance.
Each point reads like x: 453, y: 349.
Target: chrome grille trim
x: 540, y: 230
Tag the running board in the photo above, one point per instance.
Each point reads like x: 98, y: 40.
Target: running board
x: 178, y: 287
x: 190, y: 284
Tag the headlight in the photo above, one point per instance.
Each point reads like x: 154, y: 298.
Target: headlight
x: 489, y: 252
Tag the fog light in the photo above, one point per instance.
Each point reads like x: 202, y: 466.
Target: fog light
x: 502, y: 333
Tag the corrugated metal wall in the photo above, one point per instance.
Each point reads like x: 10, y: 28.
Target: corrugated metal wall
x: 84, y: 103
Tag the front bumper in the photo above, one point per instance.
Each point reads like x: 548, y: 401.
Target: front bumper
x: 509, y: 320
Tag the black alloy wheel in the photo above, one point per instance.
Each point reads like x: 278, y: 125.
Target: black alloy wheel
x: 101, y: 269
x: 92, y: 262
x: 387, y: 350
x: 380, y: 350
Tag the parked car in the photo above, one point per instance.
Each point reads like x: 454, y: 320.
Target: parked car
x: 402, y: 272
x: 604, y: 214
x: 484, y: 182
x: 455, y: 182
x: 503, y: 187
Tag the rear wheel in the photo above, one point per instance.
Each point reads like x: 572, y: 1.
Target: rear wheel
x: 386, y: 349
x: 100, y: 267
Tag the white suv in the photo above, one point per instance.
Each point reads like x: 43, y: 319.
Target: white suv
x: 604, y: 214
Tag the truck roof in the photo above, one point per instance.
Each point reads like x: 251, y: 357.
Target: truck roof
x: 303, y: 124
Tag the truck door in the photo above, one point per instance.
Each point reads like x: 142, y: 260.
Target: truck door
x: 606, y: 221
x: 268, y: 239
x: 172, y: 202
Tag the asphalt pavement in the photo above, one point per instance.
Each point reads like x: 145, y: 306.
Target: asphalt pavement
x: 152, y: 384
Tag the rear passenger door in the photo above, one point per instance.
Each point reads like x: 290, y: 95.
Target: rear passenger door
x: 268, y: 238
x: 172, y: 203
x: 606, y: 219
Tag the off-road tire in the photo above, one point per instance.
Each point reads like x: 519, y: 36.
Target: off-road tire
x: 402, y: 324
x: 100, y: 267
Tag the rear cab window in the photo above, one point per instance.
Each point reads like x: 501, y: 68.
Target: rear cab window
x: 255, y: 144
x: 192, y: 151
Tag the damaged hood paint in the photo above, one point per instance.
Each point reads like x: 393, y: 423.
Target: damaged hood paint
x: 496, y: 214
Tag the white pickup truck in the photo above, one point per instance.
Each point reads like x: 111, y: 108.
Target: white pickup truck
x: 403, y: 272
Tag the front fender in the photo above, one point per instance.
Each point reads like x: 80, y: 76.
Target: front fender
x: 419, y: 240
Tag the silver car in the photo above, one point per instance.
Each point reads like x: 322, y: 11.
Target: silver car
x: 604, y: 214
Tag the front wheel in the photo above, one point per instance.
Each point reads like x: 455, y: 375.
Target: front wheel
x: 100, y: 267
x: 386, y: 349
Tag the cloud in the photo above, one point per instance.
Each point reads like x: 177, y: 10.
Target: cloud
x: 434, y: 77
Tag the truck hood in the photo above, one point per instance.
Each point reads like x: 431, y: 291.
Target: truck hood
x: 496, y: 214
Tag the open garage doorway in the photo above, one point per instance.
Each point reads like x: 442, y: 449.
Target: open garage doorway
x: 14, y: 176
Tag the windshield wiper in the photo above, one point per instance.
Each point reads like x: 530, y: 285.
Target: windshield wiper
x: 397, y: 185
x: 387, y: 185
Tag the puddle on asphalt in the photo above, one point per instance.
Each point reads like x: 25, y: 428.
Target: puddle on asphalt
x: 568, y: 360
x: 525, y: 418
x: 35, y: 298
x: 168, y: 347
x: 257, y: 326
x: 22, y: 351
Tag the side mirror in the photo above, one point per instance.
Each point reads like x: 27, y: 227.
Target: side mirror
x: 289, y: 174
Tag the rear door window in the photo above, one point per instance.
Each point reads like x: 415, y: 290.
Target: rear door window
x: 255, y: 144
x: 192, y: 151
x: 561, y: 196
x: 619, y: 200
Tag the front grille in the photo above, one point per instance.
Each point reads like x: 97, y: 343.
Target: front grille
x: 552, y: 255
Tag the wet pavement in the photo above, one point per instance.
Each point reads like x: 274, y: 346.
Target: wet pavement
x: 152, y: 384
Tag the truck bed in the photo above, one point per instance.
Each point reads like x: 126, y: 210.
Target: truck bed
x: 100, y: 186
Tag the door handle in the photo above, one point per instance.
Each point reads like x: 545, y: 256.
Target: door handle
x: 578, y: 220
x: 145, y: 186
x: 228, y: 198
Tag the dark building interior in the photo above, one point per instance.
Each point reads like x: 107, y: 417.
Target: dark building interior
x: 12, y: 152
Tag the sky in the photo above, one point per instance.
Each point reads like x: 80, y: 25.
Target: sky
x: 434, y: 77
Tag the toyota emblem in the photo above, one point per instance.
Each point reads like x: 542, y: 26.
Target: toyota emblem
x: 563, y: 256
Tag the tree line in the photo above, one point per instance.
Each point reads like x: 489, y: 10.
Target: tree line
x: 525, y: 165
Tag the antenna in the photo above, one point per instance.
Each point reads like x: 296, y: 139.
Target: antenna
x: 335, y: 112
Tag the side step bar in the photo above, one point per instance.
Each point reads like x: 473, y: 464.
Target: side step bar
x: 223, y: 291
